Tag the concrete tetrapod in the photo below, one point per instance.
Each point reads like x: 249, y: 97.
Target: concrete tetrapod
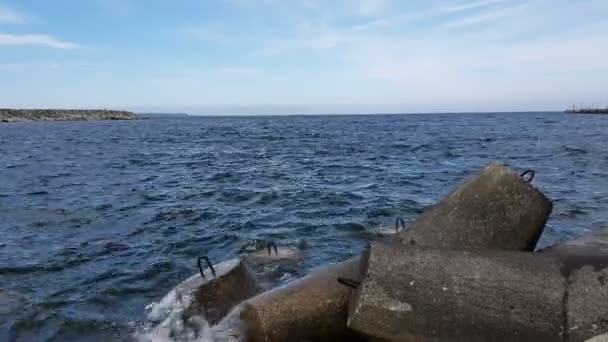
x: 585, y: 261
x: 599, y: 338
x: 493, y: 209
x: 218, y: 293
x: 467, y: 228
x: 419, y: 294
x: 313, y: 307
x: 203, y: 299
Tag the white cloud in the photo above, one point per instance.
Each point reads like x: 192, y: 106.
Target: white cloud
x: 35, y: 40
x: 8, y: 16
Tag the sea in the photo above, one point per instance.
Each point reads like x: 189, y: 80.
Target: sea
x: 100, y: 219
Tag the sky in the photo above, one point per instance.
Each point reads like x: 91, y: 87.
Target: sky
x: 304, y: 56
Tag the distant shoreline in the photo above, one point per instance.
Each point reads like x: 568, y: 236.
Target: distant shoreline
x: 20, y: 115
x: 329, y: 114
x: 588, y: 111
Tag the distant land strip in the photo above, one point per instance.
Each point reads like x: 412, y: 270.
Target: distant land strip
x: 588, y: 111
x: 16, y: 115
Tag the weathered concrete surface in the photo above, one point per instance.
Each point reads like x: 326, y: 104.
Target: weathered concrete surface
x: 189, y: 308
x: 493, y: 209
x: 585, y: 264
x: 593, y: 244
x: 313, y: 307
x: 416, y: 294
x: 15, y: 115
x: 587, y: 304
x: 599, y: 338
x: 216, y: 296
x: 467, y: 226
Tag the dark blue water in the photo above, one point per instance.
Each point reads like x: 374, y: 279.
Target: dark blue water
x: 99, y: 219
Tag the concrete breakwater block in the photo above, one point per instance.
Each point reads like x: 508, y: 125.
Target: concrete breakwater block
x: 468, y: 226
x: 587, y: 304
x: 585, y: 264
x: 218, y: 293
x: 198, y: 302
x: 419, y: 294
x: 599, y: 338
x: 493, y: 209
x: 313, y: 307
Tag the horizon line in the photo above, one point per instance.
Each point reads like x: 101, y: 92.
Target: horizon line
x: 351, y: 114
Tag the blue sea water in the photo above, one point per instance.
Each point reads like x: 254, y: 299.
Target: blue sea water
x: 98, y: 219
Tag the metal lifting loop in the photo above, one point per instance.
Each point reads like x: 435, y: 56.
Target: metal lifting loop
x: 349, y: 282
x: 530, y: 174
x: 274, y: 246
x: 200, y: 268
x: 399, y: 219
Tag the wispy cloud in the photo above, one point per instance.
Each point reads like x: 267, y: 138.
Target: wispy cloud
x: 323, y: 41
x: 467, y: 6
x: 482, y: 17
x: 9, y: 16
x: 20, y: 66
x: 44, y: 40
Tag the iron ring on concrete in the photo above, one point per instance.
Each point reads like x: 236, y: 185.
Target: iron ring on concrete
x: 200, y: 268
x: 530, y: 174
x: 399, y: 219
x: 274, y: 246
x: 349, y: 282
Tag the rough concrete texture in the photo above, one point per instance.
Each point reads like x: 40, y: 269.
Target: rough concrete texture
x: 585, y: 262
x: 587, y: 304
x: 494, y: 209
x: 216, y: 296
x: 594, y: 243
x: 467, y: 226
x: 313, y: 307
x: 599, y: 338
x: 416, y: 294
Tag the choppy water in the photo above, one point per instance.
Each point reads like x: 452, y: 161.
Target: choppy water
x: 99, y: 219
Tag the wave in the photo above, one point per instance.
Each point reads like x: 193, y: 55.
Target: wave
x: 173, y: 318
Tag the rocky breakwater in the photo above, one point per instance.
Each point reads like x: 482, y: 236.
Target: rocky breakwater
x: 16, y: 115
x: 466, y: 269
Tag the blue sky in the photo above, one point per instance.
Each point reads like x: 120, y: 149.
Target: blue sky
x: 306, y: 56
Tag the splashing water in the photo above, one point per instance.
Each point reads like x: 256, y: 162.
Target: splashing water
x: 174, y: 317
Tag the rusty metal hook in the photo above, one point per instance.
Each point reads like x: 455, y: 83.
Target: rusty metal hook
x: 274, y: 246
x: 200, y: 268
x: 530, y: 173
x: 349, y: 282
x: 399, y: 219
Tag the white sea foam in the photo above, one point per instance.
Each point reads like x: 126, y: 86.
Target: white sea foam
x: 173, y: 319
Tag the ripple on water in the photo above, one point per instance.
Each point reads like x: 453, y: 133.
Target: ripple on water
x: 38, y: 193
x: 148, y: 197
